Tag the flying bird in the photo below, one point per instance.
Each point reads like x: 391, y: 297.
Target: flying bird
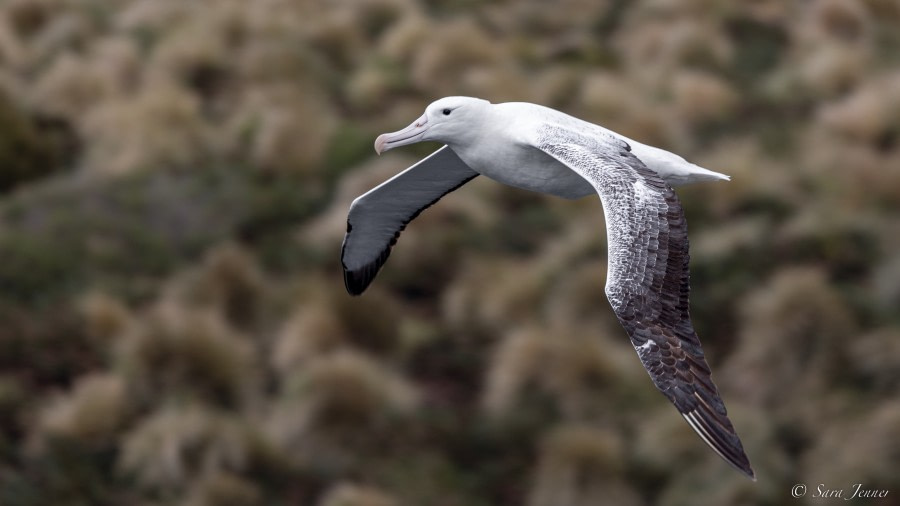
x: 544, y: 150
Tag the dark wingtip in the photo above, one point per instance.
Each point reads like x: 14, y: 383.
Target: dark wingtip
x: 352, y: 284
x: 722, y: 439
x: 745, y: 469
x: 357, y: 280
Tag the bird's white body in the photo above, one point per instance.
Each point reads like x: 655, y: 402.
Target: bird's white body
x: 511, y: 159
x: 540, y: 149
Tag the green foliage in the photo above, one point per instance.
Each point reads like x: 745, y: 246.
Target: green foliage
x: 28, y: 150
x: 77, y: 232
x: 348, y: 147
x: 759, y: 45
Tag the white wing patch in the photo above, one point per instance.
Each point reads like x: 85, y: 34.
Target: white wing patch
x: 643, y: 192
x: 644, y: 347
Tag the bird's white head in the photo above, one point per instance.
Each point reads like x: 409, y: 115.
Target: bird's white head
x: 451, y: 120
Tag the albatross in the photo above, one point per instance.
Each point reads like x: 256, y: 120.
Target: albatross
x: 544, y: 150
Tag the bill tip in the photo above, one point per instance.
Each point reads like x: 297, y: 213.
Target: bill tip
x: 379, y: 144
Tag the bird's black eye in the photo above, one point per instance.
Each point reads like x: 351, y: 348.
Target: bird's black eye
x: 446, y: 112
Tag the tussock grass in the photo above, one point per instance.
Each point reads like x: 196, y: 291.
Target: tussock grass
x: 175, y: 182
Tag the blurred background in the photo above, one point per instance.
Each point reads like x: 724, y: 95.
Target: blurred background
x: 174, y: 180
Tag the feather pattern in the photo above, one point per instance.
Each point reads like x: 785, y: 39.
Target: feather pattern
x: 648, y: 278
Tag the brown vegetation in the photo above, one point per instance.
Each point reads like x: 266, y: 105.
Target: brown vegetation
x: 175, y: 178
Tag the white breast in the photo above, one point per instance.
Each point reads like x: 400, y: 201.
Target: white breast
x: 512, y: 163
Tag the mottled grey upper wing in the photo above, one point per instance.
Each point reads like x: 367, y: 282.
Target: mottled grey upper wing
x: 648, y: 279
x: 377, y: 217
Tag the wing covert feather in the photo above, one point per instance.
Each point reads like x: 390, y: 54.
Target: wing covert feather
x: 648, y: 279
